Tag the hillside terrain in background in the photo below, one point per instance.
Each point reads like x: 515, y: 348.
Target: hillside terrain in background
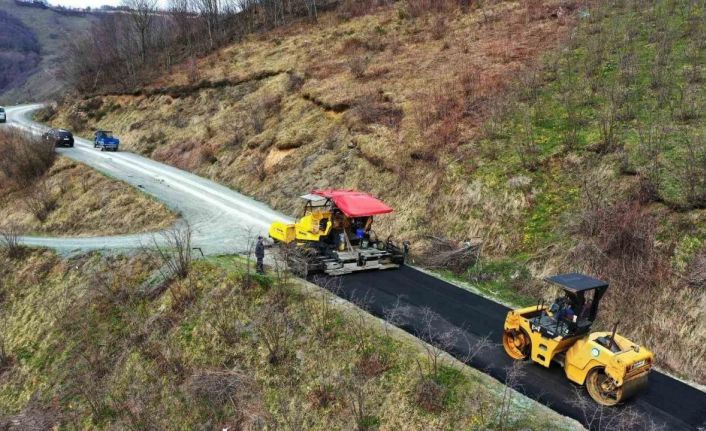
x: 567, y: 135
x: 32, y: 49
x: 19, y: 51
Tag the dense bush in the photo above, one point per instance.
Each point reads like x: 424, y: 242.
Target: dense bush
x: 24, y: 158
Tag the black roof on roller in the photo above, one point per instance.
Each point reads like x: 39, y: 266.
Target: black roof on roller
x: 577, y: 282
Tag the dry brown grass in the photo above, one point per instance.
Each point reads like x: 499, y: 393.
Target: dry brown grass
x: 24, y: 159
x: 397, y: 137
x: 73, y: 199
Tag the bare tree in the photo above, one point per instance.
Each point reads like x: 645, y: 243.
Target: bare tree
x: 142, y: 13
x: 210, y: 11
x: 184, y: 17
x: 312, y: 10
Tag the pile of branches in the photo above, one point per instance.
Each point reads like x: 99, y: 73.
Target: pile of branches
x: 453, y: 255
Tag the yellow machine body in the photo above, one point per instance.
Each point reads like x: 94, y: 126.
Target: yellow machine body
x: 622, y: 365
x: 311, y: 227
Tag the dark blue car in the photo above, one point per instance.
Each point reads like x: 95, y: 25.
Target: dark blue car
x: 105, y: 140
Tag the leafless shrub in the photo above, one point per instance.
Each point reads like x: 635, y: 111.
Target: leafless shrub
x: 573, y: 118
x: 690, y: 171
x: 696, y: 270
x: 357, y: 401
x: 174, y: 251
x: 76, y: 120
x: 429, y: 395
x: 456, y: 256
x: 40, y: 201
x: 358, y: 65
x: 534, y: 9
x: 372, y: 364
x: 220, y: 387
x: 192, y: 71
x: 24, y: 158
x: 10, y: 241
x: 434, y: 341
x: 257, y: 167
x: 417, y: 8
x: 275, y: 329
x: 527, y: 149
x: 320, y: 308
x: 257, y: 117
x: 294, y: 82
x: 353, y: 8
x: 621, y: 230
x: 46, y: 113
x: 322, y: 396
x: 472, y: 89
x: 685, y: 106
x: 377, y: 109
x: 439, y: 28
x: 262, y: 108
x: 601, y: 418
x: 513, y: 376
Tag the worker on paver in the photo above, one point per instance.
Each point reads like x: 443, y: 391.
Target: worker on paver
x: 260, y: 255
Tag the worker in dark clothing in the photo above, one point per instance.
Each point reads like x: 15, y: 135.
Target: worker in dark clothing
x: 260, y: 255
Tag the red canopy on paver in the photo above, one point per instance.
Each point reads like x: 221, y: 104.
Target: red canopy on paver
x: 354, y: 203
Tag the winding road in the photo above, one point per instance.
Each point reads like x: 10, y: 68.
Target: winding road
x: 223, y: 221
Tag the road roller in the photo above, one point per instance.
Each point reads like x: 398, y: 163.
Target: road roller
x: 611, y: 367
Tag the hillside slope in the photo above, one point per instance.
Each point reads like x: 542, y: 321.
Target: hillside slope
x: 568, y: 137
x: 83, y: 347
x: 30, y: 67
x: 83, y: 202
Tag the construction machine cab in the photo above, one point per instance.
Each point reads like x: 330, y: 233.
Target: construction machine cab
x: 574, y: 313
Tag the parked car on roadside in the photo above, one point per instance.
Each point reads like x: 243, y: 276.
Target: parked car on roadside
x: 59, y: 137
x: 105, y: 140
x: 3, y: 115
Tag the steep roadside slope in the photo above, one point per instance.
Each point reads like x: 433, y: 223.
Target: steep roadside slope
x: 84, y: 347
x: 81, y: 202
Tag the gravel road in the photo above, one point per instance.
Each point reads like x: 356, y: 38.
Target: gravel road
x: 222, y: 220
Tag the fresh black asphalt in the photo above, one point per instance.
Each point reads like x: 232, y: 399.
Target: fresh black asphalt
x: 667, y: 403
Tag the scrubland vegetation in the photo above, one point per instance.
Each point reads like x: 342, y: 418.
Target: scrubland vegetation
x: 41, y: 193
x: 566, y: 135
x: 93, y: 342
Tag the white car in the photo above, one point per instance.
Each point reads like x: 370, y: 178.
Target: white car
x: 3, y: 116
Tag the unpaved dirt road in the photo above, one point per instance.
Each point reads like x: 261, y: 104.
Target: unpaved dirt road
x: 222, y: 220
